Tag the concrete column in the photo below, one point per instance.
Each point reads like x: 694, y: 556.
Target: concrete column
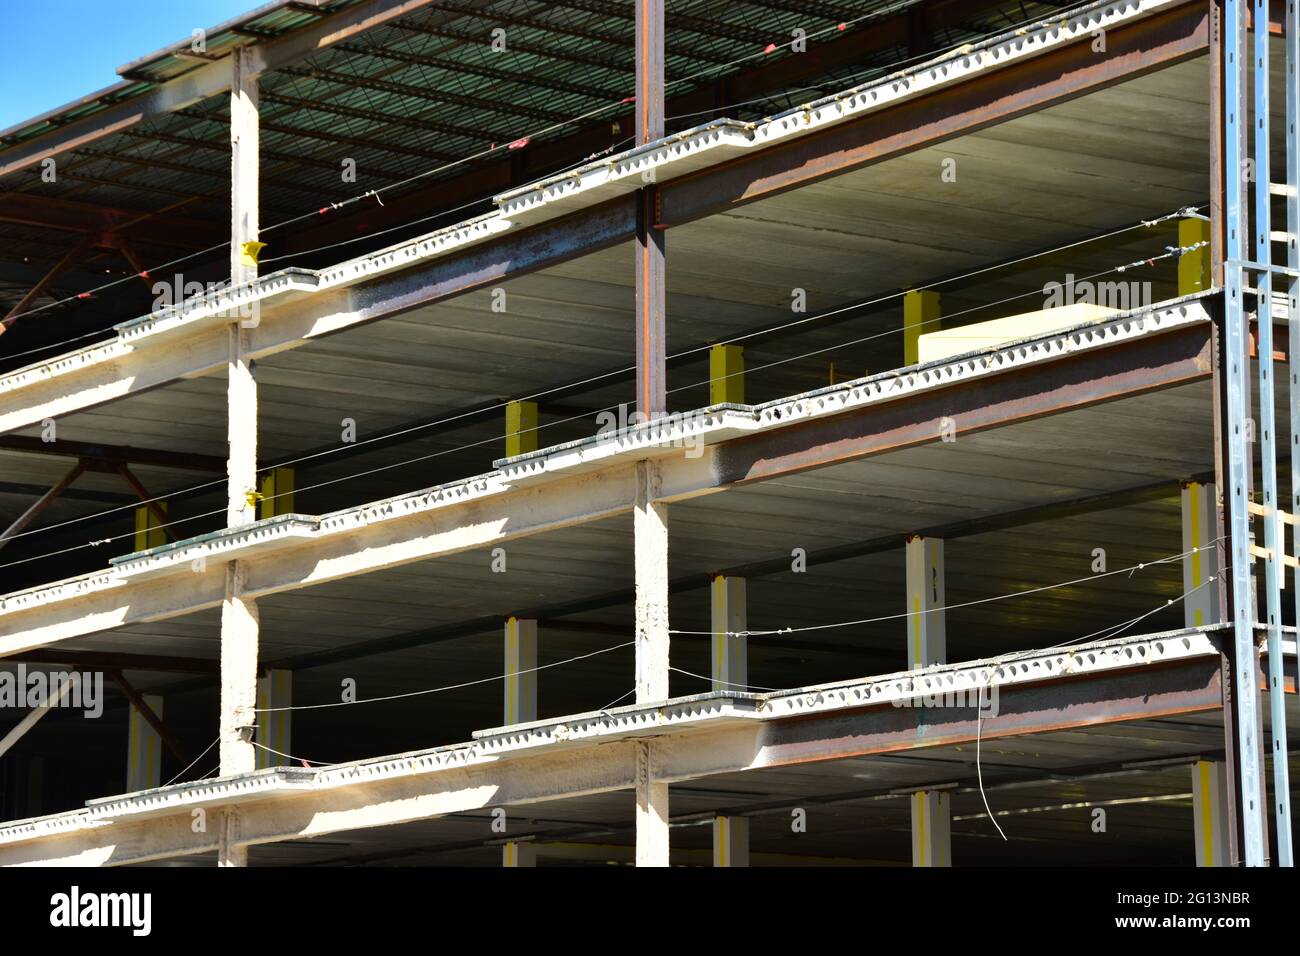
x: 241, y: 382
x: 1201, y: 605
x: 241, y: 433
x: 651, y: 810
x: 144, y: 748
x: 920, y: 316
x: 931, y: 828
x: 239, y: 637
x: 274, y: 727
x: 1210, y: 812
x: 650, y: 530
x: 727, y: 374
x: 730, y: 841
x: 730, y: 652
x: 520, y: 673
x: 518, y: 854
x: 245, y: 134
x: 277, y: 493
x: 239, y: 619
x: 521, y: 428
x: 926, y: 640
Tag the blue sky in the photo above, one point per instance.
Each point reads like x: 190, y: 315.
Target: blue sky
x: 55, y: 51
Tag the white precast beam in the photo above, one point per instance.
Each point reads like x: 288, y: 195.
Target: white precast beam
x: 460, y: 518
x: 595, y: 479
x: 120, y: 843
x: 399, y: 799
x: 101, y: 373
x: 102, y: 602
x: 153, y: 351
x: 600, y: 752
x: 403, y: 799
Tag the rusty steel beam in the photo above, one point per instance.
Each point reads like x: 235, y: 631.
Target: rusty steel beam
x: 112, y: 661
x: 147, y: 712
x: 42, y: 284
x: 103, y: 225
x: 1161, y: 690
x: 1161, y: 361
x: 558, y: 614
x: 111, y: 455
x: 543, y: 158
x: 149, y: 501
x: 1003, y: 94
x: 651, y: 289
x: 35, y: 511
x: 1132, y: 51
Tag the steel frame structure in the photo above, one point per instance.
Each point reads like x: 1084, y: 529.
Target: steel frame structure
x: 654, y: 742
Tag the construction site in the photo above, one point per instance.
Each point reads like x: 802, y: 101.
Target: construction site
x: 496, y: 433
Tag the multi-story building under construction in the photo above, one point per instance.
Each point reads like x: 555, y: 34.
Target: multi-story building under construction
x: 780, y: 432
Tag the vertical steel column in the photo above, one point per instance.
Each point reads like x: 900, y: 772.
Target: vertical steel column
x: 650, y: 524
x: 1249, y: 761
x: 1273, y: 533
x: 651, y: 331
